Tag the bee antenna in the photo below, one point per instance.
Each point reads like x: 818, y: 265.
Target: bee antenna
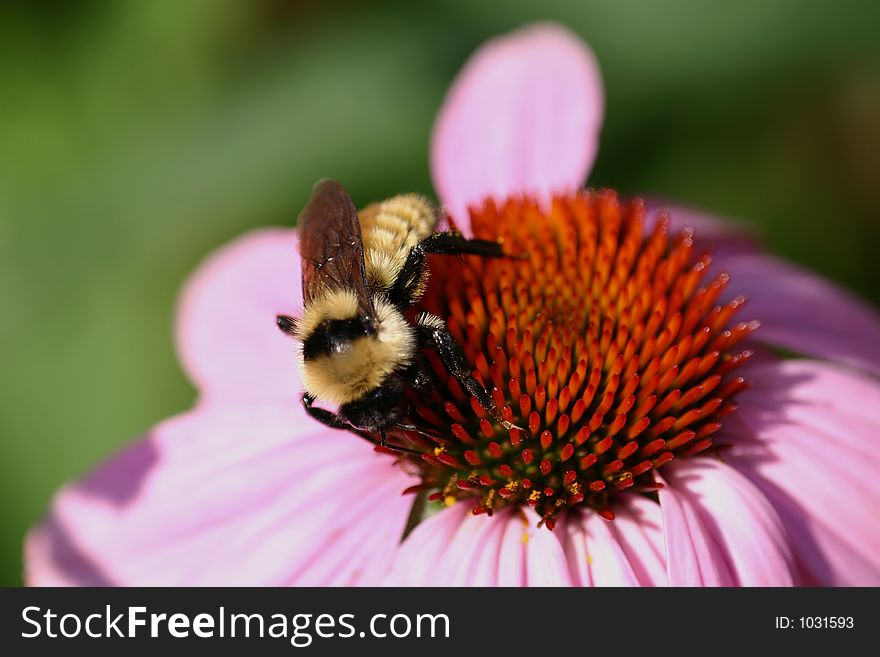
x: 286, y: 324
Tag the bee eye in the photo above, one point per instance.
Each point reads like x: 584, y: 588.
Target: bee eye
x: 338, y: 347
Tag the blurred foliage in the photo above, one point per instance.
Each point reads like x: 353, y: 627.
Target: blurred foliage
x: 138, y: 136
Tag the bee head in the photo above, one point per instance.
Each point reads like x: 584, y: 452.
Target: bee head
x: 347, y: 355
x: 336, y: 337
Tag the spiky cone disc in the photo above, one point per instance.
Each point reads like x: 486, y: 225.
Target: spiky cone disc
x: 604, y: 343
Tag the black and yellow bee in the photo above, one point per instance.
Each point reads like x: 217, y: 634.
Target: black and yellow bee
x: 361, y: 273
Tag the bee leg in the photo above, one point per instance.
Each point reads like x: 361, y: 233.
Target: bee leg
x: 434, y: 334
x: 454, y: 243
x: 411, y: 280
x: 332, y: 420
x: 411, y: 427
x: 383, y: 442
x: 336, y: 421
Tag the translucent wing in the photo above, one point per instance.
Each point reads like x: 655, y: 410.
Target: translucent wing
x: 331, y: 246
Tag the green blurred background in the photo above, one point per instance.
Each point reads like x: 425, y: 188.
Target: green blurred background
x: 135, y: 137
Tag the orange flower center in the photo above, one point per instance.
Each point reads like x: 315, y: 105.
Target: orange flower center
x: 603, y: 343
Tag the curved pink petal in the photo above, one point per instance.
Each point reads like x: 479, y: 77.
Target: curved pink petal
x: 694, y: 557
x: 638, y: 526
x: 545, y: 560
x: 740, y: 520
x: 235, y: 496
x: 226, y: 335
x: 798, y: 310
x: 803, y: 312
x: 523, y: 116
x: 807, y: 435
x: 602, y: 561
x: 628, y: 551
x: 455, y: 548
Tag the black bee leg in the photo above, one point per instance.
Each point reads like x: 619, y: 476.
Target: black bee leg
x: 412, y: 277
x: 336, y: 421
x: 383, y: 442
x: 453, y: 243
x: 332, y: 420
x: 433, y: 334
x: 286, y: 324
x: 400, y: 448
x: 413, y: 428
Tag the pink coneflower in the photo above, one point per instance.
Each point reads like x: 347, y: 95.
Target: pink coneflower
x: 661, y: 442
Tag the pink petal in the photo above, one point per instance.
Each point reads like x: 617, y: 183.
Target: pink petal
x: 638, y: 527
x: 807, y: 435
x: 626, y: 552
x: 471, y: 557
x: 455, y: 548
x: 545, y: 560
x: 226, y: 334
x: 523, y: 116
x: 423, y: 548
x: 798, y: 310
x: 512, y: 566
x: 693, y: 556
x: 741, y: 522
x: 225, y: 497
x: 598, y: 559
x: 804, y: 313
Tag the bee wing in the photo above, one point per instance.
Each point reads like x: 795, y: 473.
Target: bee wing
x: 331, y: 246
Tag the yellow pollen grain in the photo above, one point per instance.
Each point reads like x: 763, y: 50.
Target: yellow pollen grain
x: 589, y: 560
x: 450, y: 486
x: 449, y: 500
x: 534, y: 496
x: 439, y: 450
x: 525, y: 527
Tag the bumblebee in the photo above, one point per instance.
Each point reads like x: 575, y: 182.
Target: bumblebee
x: 361, y: 273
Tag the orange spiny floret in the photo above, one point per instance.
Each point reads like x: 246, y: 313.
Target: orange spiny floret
x: 605, y: 343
